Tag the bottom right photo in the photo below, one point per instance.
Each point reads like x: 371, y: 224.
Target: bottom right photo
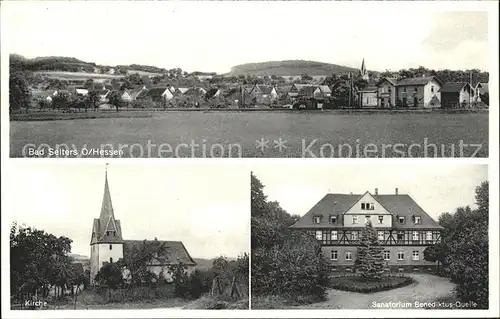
x: 370, y: 236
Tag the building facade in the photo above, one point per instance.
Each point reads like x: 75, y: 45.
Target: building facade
x: 420, y: 92
x: 404, y: 229
x: 107, y: 244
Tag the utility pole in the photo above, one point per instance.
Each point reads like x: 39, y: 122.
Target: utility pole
x: 470, y: 90
x: 350, y: 91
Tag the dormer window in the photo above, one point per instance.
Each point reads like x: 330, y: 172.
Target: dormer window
x: 317, y: 219
x: 417, y: 219
x: 401, y: 219
x: 333, y: 219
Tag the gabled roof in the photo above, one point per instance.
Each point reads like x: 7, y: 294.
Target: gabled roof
x: 338, y: 204
x: 265, y: 89
x: 155, y: 92
x: 418, y: 81
x: 307, y: 90
x: 453, y: 87
x: 283, y: 88
x: 325, y: 89
x: 174, y: 251
x: 392, y: 81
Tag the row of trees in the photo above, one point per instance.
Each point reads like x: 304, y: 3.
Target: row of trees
x: 463, y: 251
x: 284, y: 262
x: 39, y: 263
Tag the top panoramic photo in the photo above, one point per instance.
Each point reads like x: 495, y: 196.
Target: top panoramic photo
x: 229, y: 80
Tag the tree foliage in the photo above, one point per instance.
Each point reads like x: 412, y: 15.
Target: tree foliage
x: 284, y: 262
x: 464, y: 248
x: 370, y: 260
x: 19, y: 91
x: 40, y: 261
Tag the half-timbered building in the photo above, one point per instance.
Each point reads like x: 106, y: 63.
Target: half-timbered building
x: 403, y: 228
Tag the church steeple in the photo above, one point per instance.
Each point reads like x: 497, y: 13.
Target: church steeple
x: 107, y: 205
x: 106, y: 228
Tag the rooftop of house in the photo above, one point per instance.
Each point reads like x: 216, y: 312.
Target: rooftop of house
x: 167, y: 252
x: 453, y: 87
x: 338, y: 204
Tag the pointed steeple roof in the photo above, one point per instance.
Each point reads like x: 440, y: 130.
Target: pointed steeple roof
x: 107, y: 205
x: 106, y: 229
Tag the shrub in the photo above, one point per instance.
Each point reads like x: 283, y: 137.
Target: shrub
x: 359, y: 284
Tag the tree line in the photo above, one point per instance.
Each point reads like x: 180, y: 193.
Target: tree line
x: 462, y: 254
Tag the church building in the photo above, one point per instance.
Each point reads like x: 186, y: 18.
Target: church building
x: 107, y: 244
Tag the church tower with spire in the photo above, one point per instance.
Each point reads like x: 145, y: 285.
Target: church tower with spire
x: 106, y: 243
x: 363, y: 73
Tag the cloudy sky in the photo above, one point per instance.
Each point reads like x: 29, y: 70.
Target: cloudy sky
x: 206, y: 206
x: 214, y: 36
x: 437, y: 188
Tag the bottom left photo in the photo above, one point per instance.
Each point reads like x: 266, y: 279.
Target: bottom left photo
x: 128, y: 236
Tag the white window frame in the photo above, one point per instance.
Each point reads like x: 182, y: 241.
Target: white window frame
x: 380, y: 220
x: 415, y: 255
x: 348, y: 253
x: 387, y: 252
x: 336, y: 235
x: 317, y: 219
x: 428, y: 235
x: 336, y: 253
x: 401, y: 255
x: 354, y: 219
x: 418, y: 220
x: 379, y: 233
x: 320, y: 232
x: 354, y: 232
x: 332, y: 218
x: 415, y: 236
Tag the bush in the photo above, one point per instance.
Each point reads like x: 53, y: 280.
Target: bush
x: 284, y: 262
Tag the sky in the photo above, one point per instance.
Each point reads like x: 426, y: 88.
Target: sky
x: 437, y: 188
x: 214, y: 36
x: 206, y: 206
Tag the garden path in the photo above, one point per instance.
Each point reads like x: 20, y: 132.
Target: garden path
x: 427, y: 288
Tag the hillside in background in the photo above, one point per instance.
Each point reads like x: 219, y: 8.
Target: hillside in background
x: 202, y: 263
x: 289, y: 68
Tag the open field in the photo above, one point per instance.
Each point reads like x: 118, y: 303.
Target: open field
x: 234, y: 134
x: 61, y: 75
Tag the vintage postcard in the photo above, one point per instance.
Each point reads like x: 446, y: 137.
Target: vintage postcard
x: 378, y: 237
x: 128, y: 236
x: 231, y: 79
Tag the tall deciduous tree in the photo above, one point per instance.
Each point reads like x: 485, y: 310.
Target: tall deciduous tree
x: 19, y: 91
x: 370, y: 260
x: 110, y: 275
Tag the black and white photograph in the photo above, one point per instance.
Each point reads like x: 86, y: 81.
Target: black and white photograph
x: 128, y: 236
x: 370, y: 236
x: 247, y: 79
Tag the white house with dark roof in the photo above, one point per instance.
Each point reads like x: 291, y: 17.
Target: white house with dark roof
x: 418, y: 92
x: 404, y: 229
x: 107, y: 244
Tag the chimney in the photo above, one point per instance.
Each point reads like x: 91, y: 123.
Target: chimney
x: 376, y: 191
x: 396, y: 191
